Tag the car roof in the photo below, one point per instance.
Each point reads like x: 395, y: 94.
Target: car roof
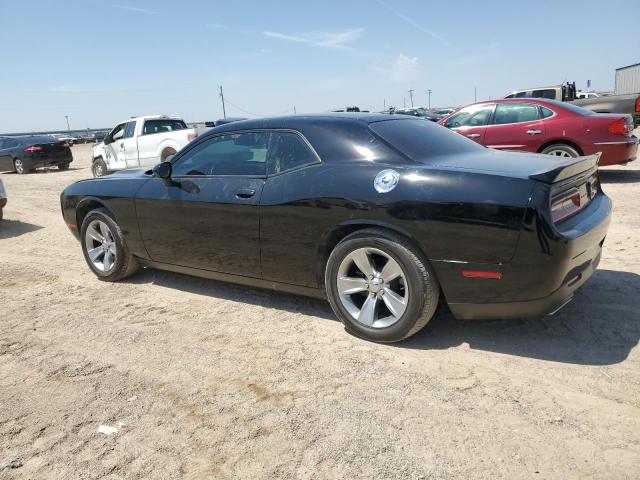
x: 299, y: 121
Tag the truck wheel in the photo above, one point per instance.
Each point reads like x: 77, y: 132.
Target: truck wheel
x: 561, y: 150
x: 99, y: 168
x: 63, y: 166
x: 166, y: 154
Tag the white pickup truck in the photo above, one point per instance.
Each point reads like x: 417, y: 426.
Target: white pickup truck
x: 140, y: 142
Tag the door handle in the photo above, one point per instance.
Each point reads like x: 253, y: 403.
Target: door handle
x: 245, y: 193
x: 534, y: 132
x: 473, y: 135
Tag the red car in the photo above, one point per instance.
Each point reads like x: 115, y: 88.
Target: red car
x: 546, y: 126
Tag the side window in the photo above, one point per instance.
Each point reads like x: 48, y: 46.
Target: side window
x: 118, y: 132
x: 163, y: 125
x: 515, y: 113
x: 473, y: 116
x: 288, y: 151
x: 233, y: 154
x: 10, y: 143
x: 546, y: 93
x: 546, y: 112
x: 129, y: 129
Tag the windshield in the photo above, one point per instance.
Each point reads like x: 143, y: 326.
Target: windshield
x: 421, y: 140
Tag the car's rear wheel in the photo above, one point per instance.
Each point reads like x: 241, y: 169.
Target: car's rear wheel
x: 99, y: 168
x: 63, y: 166
x: 381, y: 286
x: 561, y: 150
x: 104, y: 248
x: 19, y: 166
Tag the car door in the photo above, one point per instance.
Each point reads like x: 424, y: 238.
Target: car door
x: 114, y: 148
x: 130, y: 145
x: 7, y: 147
x: 5, y: 159
x: 516, y: 126
x: 206, y: 215
x: 471, y: 121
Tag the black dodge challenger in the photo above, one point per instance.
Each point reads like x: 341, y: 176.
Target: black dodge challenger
x: 383, y: 215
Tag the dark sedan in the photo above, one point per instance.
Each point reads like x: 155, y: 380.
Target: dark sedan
x: 378, y: 213
x: 25, y: 154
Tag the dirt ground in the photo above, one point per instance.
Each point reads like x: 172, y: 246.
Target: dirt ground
x: 203, y: 379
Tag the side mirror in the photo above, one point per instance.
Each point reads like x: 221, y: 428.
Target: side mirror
x: 163, y: 170
x: 106, y: 140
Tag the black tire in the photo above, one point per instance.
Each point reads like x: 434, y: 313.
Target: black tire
x: 125, y: 264
x: 99, y: 168
x: 422, y: 284
x: 561, y: 150
x: 63, y: 166
x: 19, y: 167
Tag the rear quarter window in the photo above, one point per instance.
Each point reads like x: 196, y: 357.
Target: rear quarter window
x: 420, y: 139
x: 162, y: 126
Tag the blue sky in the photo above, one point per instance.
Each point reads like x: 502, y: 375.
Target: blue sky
x: 101, y: 61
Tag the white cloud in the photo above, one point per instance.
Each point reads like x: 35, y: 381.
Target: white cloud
x: 131, y: 8
x: 320, y: 39
x: 403, y: 69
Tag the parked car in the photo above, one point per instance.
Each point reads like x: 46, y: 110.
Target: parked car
x: 377, y: 213
x: 417, y: 112
x: 440, y: 113
x: 628, y: 104
x: 63, y: 137
x: 547, y: 126
x: 3, y: 198
x: 580, y: 95
x: 99, y: 135
x: 140, y: 141
x: 26, y: 153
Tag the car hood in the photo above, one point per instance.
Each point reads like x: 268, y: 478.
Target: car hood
x: 503, y: 163
x: 130, y: 172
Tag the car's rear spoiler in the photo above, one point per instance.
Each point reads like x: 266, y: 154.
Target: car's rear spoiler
x: 568, y: 168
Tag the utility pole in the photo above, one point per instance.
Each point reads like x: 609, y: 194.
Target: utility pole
x: 429, y: 103
x: 475, y: 94
x: 384, y: 104
x: 411, y: 96
x: 294, y: 110
x: 224, y: 112
x: 68, y: 129
x: 404, y: 103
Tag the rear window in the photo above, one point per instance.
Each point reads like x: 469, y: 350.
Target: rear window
x: 420, y: 139
x: 574, y: 108
x: 162, y: 125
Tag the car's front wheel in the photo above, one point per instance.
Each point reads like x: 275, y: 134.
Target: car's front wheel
x: 99, y: 168
x: 63, y: 166
x: 104, y: 248
x: 381, y: 286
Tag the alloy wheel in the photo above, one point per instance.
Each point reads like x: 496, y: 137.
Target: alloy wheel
x: 19, y: 165
x: 559, y: 153
x: 100, y: 245
x: 372, y: 287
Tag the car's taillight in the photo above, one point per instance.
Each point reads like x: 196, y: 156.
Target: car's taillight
x: 619, y: 127
x: 191, y: 136
x: 565, y: 205
x: 34, y: 149
x: 638, y: 104
x: 65, y: 145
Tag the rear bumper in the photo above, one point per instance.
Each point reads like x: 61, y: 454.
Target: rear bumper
x: 37, y: 161
x: 618, y: 151
x: 549, y: 305
x: 549, y: 266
